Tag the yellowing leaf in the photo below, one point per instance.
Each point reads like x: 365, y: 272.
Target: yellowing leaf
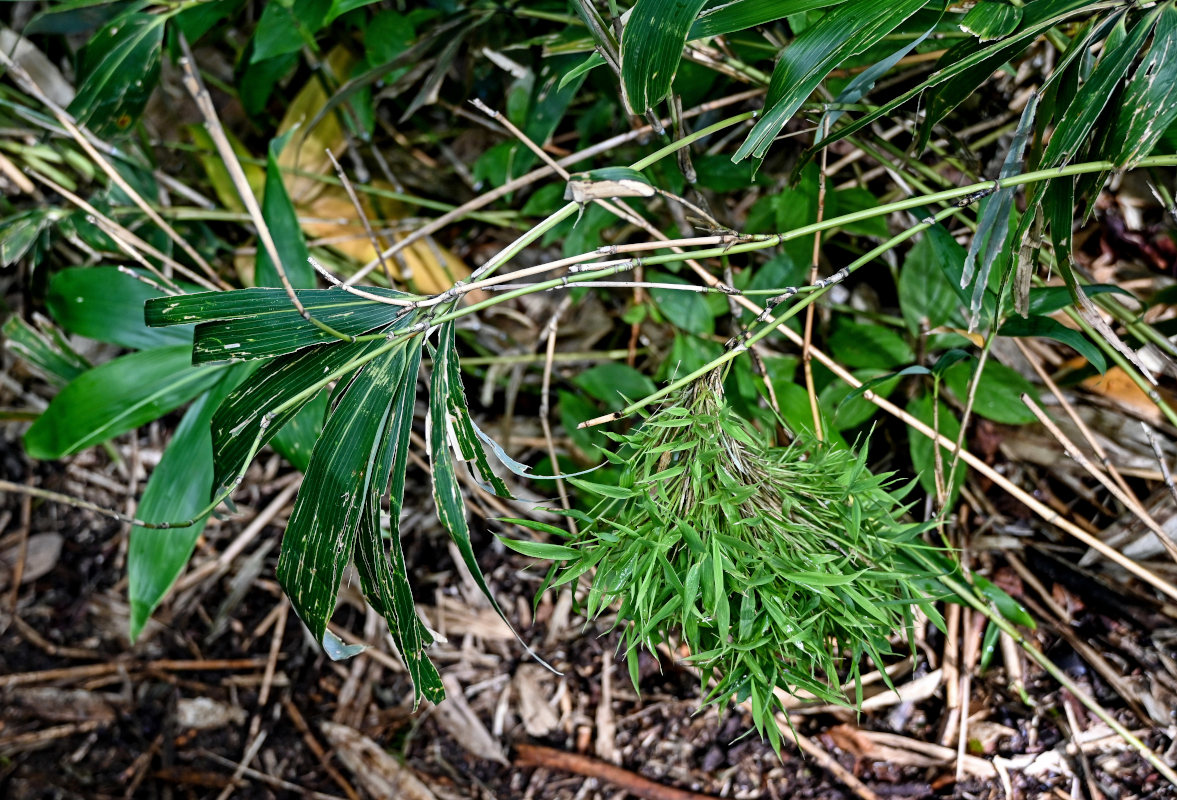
x: 307, y: 151
x: 218, y: 176
x: 425, y: 266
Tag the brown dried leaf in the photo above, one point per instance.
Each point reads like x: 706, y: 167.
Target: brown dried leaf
x: 377, y: 772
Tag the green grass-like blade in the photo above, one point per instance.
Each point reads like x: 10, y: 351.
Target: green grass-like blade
x: 178, y: 488
x: 119, y: 68
x: 739, y: 15
x: 845, y: 31
x: 117, y: 397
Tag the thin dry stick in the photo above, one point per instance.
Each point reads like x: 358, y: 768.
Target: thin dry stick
x: 1069, y: 408
x: 537, y: 174
x: 128, y: 242
x: 1160, y: 454
x: 212, y: 123
x: 815, y: 262
x: 1077, y: 456
x: 549, y: 334
x: 355, y: 201
x: 82, y: 137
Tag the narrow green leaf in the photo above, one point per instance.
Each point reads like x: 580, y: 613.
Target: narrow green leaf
x: 992, y: 229
x: 1010, y: 608
x: 385, y: 583
x: 845, y: 31
x: 321, y: 534
x: 238, y: 421
x: 179, y: 487
x: 651, y: 47
x: 451, y: 508
x: 991, y: 19
x: 738, y: 15
x: 544, y: 550
x: 116, y: 397
x: 1053, y: 329
x: 592, y: 62
x: 1149, y: 105
x: 105, y: 304
x: 282, y: 220
x: 965, y: 67
x: 263, y: 323
x: 119, y: 68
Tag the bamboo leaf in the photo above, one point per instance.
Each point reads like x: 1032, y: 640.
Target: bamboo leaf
x: 651, y: 47
x: 116, y: 397
x: 104, y: 304
x: 739, y: 15
x: 321, y: 534
x: 845, y: 31
x: 1150, y: 102
x: 991, y: 19
x: 119, y: 68
x: 179, y: 487
x: 238, y: 422
x: 262, y: 323
x: 282, y: 220
x: 385, y: 585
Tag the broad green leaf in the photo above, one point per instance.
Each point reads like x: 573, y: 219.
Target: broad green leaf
x: 738, y: 15
x: 1053, y: 329
x: 1046, y: 300
x: 385, y: 584
x: 341, y: 7
x: 999, y: 393
x: 857, y: 345
x: 684, y: 309
x: 614, y: 384
x: 238, y: 422
x: 1149, y: 105
x: 45, y: 347
x: 922, y: 451
x: 926, y: 297
x: 282, y: 220
x: 991, y: 19
x: 116, y: 397
x: 847, y: 30
x: 178, y: 488
x: 321, y: 534
x: 198, y: 19
x: 119, y: 68
x: 286, y: 26
x: 651, y: 47
x: 104, y: 304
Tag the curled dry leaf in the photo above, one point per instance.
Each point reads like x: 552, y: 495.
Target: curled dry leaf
x: 377, y: 772
x: 460, y: 722
x: 530, y: 686
x: 206, y: 714
x: 43, y: 551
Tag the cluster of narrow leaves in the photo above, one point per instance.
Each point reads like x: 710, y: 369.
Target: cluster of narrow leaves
x: 1110, y: 96
x: 777, y: 568
x: 370, y: 386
